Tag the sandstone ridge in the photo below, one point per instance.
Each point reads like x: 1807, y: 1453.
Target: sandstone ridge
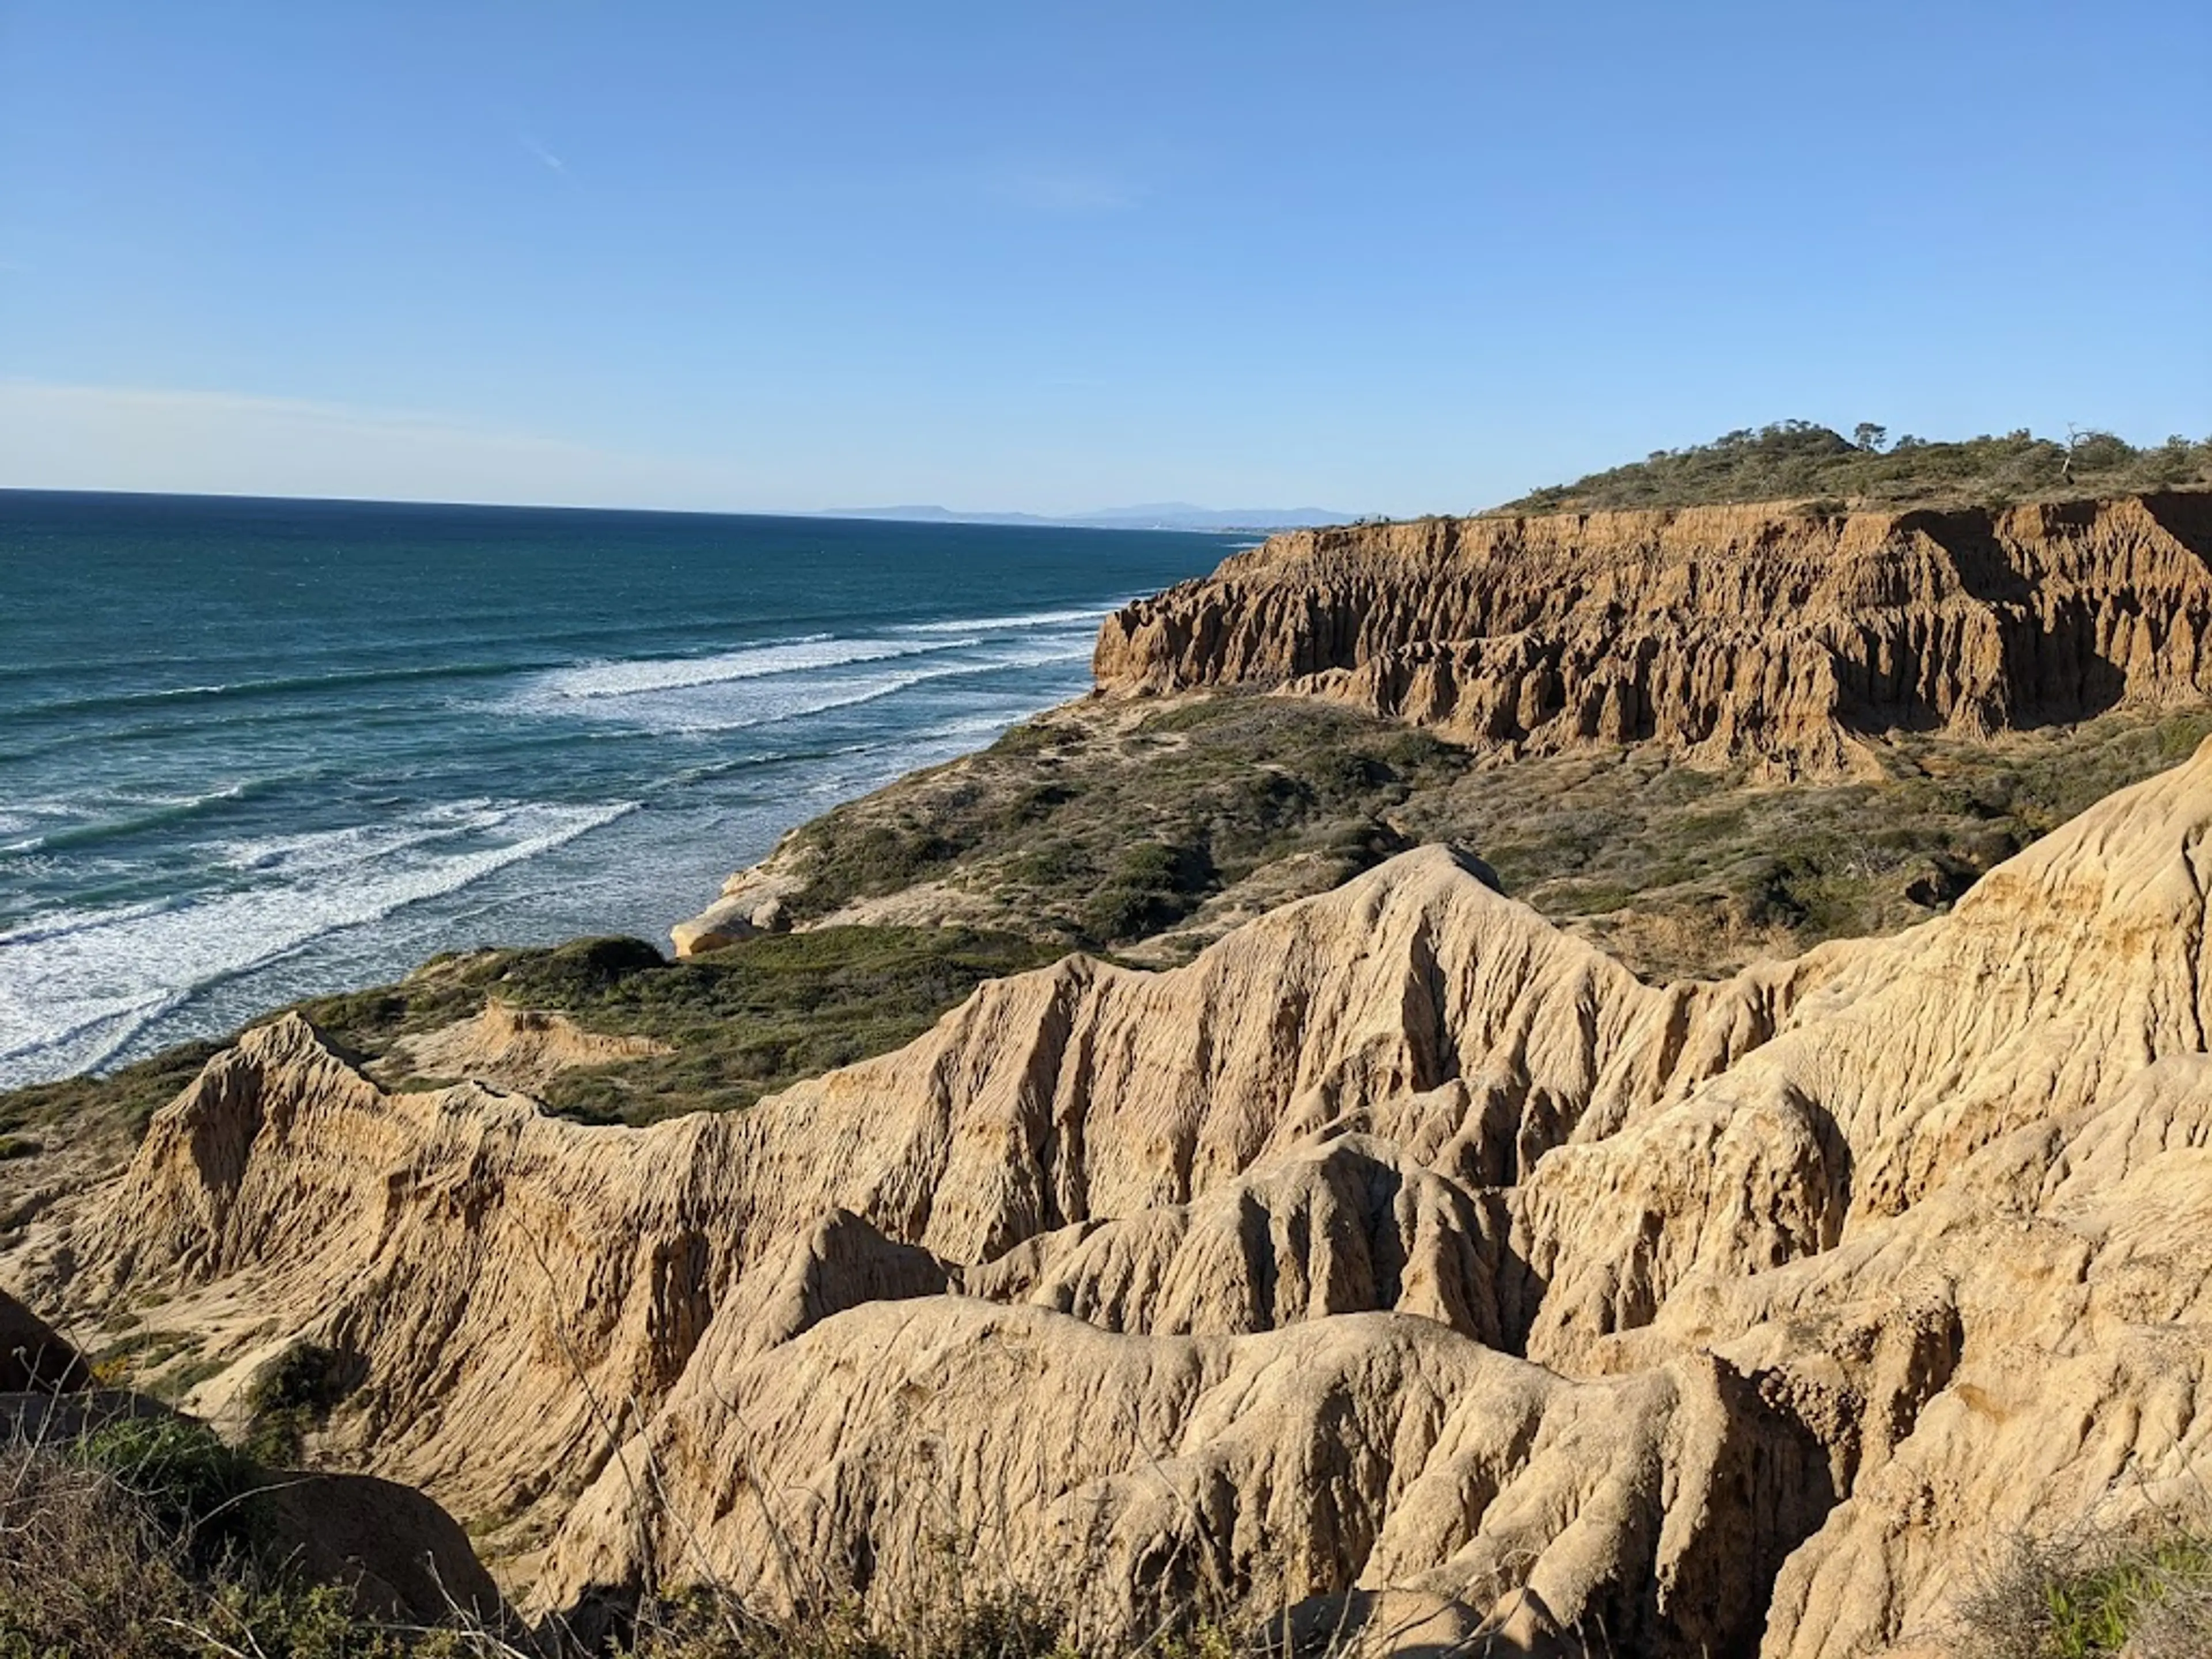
x: 1721, y: 632
x: 1400, y: 1248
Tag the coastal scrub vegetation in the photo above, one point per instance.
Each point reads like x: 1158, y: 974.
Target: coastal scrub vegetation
x: 736, y: 1025
x: 1682, y: 872
x: 1802, y: 461
x: 29, y: 1116
x: 1150, y: 835
x: 2143, y: 1591
x: 1096, y: 835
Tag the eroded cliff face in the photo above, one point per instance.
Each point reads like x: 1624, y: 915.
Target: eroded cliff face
x: 1720, y: 632
x: 1399, y: 1247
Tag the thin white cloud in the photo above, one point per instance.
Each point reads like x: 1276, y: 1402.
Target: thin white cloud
x: 1070, y: 192
x: 84, y: 437
x: 553, y: 163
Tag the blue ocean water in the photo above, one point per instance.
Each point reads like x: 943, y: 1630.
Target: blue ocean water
x: 251, y: 750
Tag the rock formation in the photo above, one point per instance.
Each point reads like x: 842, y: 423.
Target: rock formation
x: 400, y: 1555
x: 1399, y: 1251
x: 512, y: 1047
x: 34, y: 1357
x: 1719, y: 632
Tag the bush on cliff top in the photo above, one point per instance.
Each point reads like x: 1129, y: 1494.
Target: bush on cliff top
x: 1800, y: 461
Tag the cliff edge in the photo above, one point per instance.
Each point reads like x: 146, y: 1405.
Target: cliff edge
x: 1721, y: 633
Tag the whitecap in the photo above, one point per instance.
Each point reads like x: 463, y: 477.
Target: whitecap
x: 632, y: 679
x: 1091, y: 614
x: 727, y: 707
x: 77, y: 986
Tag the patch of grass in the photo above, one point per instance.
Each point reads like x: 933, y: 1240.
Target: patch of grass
x: 1799, y: 460
x: 178, y: 1470
x: 760, y: 1015
x: 740, y: 1023
x: 129, y: 1095
x: 959, y: 1621
x: 175, y: 1383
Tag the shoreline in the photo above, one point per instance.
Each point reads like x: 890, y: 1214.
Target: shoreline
x: 387, y: 764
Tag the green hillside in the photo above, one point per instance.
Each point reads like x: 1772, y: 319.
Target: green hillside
x: 1800, y: 461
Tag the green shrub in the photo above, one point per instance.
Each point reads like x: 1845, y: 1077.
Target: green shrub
x: 291, y: 1396
x: 189, y: 1481
x: 1152, y: 886
x: 2143, y: 1591
x: 129, y: 1095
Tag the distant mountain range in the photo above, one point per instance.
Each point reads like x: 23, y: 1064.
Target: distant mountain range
x: 1153, y: 515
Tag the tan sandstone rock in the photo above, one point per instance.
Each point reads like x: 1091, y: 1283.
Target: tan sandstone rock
x: 1399, y: 1246
x: 1721, y: 632
x: 512, y: 1047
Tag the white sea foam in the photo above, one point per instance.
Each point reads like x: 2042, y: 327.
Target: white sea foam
x: 76, y: 986
x: 742, y: 705
x: 1093, y: 614
x: 625, y: 679
x: 738, y: 712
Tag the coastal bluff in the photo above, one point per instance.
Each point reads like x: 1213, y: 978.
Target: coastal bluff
x: 1778, y: 634
x: 1399, y: 1256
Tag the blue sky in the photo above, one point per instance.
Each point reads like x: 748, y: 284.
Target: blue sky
x: 1374, y: 255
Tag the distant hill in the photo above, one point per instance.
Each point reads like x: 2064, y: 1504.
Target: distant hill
x: 1155, y: 515
x: 1798, y: 460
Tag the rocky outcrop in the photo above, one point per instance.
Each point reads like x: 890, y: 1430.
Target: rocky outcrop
x: 1400, y: 1245
x: 512, y: 1047
x: 399, y: 1554
x: 35, y: 1358
x: 1724, y: 633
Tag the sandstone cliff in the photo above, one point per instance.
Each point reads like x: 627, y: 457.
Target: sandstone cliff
x: 1720, y: 632
x: 1399, y: 1248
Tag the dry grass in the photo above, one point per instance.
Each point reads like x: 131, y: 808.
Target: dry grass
x: 143, y: 1540
x: 2143, y: 1591
x: 953, y: 1624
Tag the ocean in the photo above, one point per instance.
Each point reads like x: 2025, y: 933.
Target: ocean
x: 252, y: 750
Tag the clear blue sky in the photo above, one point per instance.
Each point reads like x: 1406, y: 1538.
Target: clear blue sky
x: 1372, y: 255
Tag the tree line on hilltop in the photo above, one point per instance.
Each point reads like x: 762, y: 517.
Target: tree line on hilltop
x: 1805, y: 462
